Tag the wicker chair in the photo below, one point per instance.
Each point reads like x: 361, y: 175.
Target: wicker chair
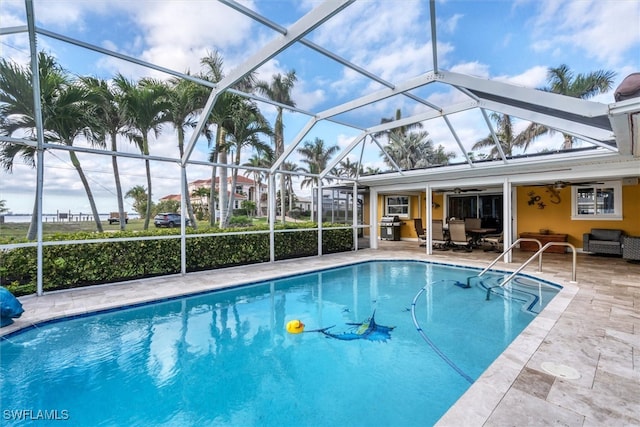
x: 631, y: 249
x: 603, y: 241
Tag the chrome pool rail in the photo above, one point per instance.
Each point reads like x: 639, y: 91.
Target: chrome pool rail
x: 538, y: 254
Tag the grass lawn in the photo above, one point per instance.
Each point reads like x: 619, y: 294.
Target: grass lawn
x: 18, y: 230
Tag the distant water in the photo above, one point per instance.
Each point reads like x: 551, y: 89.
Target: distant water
x: 74, y: 217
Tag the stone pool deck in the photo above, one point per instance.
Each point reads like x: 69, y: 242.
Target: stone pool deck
x: 576, y: 364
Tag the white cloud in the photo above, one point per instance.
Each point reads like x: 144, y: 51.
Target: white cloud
x: 475, y: 68
x: 177, y: 34
x: 449, y: 25
x: 532, y: 78
x: 602, y: 30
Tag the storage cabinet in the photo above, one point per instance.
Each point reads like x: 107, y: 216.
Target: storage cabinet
x: 544, y: 239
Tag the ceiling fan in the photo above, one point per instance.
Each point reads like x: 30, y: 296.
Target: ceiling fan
x: 459, y: 190
x: 559, y: 185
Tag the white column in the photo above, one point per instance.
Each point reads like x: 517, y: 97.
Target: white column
x: 37, y: 107
x: 183, y: 220
x: 428, y: 218
x: 272, y: 216
x: 507, y: 226
x: 373, y: 219
x: 320, y: 211
x: 354, y: 215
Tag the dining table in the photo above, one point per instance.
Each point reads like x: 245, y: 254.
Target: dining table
x: 478, y: 233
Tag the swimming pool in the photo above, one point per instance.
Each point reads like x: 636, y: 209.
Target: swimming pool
x: 224, y: 358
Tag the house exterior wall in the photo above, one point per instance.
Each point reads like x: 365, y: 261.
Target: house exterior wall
x: 557, y: 217
x: 407, y: 229
x: 530, y: 217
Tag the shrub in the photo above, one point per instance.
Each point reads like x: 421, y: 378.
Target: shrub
x: 76, y: 265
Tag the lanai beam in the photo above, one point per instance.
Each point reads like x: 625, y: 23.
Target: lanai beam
x: 378, y: 96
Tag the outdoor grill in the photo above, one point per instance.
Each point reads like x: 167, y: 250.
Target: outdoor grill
x: 390, y: 228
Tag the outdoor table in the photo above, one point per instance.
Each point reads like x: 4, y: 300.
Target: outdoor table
x: 478, y: 233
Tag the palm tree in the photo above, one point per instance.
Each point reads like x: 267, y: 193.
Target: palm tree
x: 184, y: 101
x: 17, y: 115
x: 221, y: 116
x: 290, y: 167
x: 349, y: 169
x: 315, y: 155
x: 139, y: 196
x: 399, y: 131
x: 504, y: 133
x: 279, y: 90
x: 214, y: 73
x: 74, y: 116
x: 244, y: 128
x: 67, y: 112
x: 414, y: 151
x: 144, y: 104
x: 440, y: 157
x: 112, y: 121
x: 200, y: 194
x: 561, y: 80
x: 371, y: 171
x: 259, y: 160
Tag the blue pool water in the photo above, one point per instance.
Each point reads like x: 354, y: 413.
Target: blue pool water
x: 225, y: 358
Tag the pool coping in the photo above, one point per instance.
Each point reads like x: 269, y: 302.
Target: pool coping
x: 483, y: 396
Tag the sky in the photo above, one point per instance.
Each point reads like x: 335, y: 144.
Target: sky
x: 512, y: 41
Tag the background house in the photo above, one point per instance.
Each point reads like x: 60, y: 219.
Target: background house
x: 246, y: 190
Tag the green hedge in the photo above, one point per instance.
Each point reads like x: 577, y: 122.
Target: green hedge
x: 75, y: 265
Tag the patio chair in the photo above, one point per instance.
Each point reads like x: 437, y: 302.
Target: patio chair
x: 458, y: 236
x: 494, y: 241
x: 422, y: 236
x: 472, y: 224
x: 438, y: 239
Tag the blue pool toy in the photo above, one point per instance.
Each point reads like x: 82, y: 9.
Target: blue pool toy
x: 10, y: 307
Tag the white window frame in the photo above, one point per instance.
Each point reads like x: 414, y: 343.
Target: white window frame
x: 401, y: 215
x: 617, y: 202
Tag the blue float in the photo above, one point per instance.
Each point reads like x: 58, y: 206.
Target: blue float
x: 10, y: 307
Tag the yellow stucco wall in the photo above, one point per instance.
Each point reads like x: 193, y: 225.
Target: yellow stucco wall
x: 407, y: 229
x: 555, y: 216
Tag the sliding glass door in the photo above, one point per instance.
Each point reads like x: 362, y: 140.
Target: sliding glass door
x: 488, y: 207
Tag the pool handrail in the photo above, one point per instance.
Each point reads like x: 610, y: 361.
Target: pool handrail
x: 522, y: 239
x: 537, y: 254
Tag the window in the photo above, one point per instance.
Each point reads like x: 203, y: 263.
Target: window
x: 597, y: 201
x: 397, y: 205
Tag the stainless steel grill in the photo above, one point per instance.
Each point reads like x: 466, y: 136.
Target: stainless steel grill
x: 390, y: 228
